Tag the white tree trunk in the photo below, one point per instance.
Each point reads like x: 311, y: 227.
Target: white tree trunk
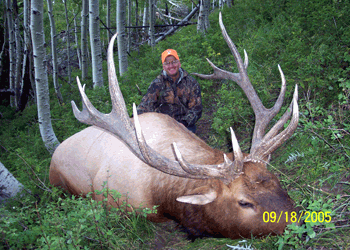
x: 12, y: 61
x: 68, y: 42
x: 84, y: 50
x: 19, y: 59
x: 129, y: 24
x: 27, y: 42
x: 42, y: 87
x: 95, y: 42
x: 203, y: 17
x: 28, y: 58
x: 108, y: 19
x: 145, y: 16
x: 152, y: 14
x: 9, y: 185
x: 136, y: 13
x: 2, y: 52
x: 53, y: 52
x: 137, y: 31
x: 77, y: 39
x: 122, y: 46
x: 221, y: 4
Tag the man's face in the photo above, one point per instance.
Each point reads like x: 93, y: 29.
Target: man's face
x: 171, y: 66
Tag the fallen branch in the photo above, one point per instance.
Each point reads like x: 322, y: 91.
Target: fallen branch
x: 10, y: 91
x: 186, y: 19
x: 159, y: 25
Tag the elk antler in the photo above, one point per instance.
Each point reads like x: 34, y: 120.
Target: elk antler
x: 262, y: 146
x: 118, y: 123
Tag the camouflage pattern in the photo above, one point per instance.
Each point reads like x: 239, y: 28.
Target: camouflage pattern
x: 182, y: 100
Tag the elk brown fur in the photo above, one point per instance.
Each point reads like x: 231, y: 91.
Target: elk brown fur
x: 156, y: 161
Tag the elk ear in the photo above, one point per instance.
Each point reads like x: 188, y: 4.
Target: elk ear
x: 200, y: 196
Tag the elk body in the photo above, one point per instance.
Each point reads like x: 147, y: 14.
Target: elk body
x: 157, y: 161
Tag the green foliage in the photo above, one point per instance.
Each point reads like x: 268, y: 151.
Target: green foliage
x: 75, y: 222
x: 317, y: 217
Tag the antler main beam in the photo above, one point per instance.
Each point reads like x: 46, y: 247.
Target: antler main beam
x: 118, y: 123
x: 262, y: 145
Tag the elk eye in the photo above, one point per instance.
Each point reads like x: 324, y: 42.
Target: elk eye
x: 245, y: 204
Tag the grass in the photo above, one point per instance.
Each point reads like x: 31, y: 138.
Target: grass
x: 313, y: 165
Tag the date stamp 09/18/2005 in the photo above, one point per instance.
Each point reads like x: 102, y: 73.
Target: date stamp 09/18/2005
x: 296, y: 218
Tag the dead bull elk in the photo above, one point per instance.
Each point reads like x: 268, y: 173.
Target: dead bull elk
x: 205, y: 190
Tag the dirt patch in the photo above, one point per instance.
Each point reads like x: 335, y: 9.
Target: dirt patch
x: 204, y: 124
x: 342, y: 187
x: 209, y: 108
x: 168, y: 236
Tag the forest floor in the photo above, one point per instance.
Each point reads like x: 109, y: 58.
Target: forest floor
x: 204, y: 130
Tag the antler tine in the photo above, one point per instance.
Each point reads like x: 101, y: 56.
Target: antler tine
x: 89, y: 114
x: 118, y: 102
x: 262, y: 115
x: 180, y: 168
x: 280, y: 123
x: 218, y: 74
x: 225, y: 171
x: 118, y: 123
x: 246, y: 61
x: 233, y: 49
x: 83, y: 115
x: 263, y: 118
x: 238, y: 162
x: 271, y: 141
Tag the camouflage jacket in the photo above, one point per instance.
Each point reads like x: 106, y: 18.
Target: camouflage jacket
x: 182, y: 100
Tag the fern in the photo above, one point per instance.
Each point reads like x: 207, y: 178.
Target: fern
x: 294, y: 156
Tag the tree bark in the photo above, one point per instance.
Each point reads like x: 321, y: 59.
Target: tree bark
x: 84, y: 51
x: 68, y: 42
x: 19, y: 56
x: 27, y: 56
x: 2, y: 50
x: 95, y: 42
x: 25, y: 86
x: 151, y: 23
x: 203, y: 17
x: 11, y: 33
x: 53, y: 52
x: 221, y: 4
x: 136, y: 20
x: 108, y: 19
x: 129, y: 24
x: 9, y: 185
x: 76, y: 38
x: 145, y: 16
x: 42, y: 87
x: 122, y: 46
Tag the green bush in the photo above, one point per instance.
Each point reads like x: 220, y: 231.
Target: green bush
x: 61, y: 221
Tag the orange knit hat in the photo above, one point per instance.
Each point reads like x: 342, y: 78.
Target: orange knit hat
x: 169, y: 52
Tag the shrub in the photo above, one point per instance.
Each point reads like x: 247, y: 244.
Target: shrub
x: 59, y: 220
